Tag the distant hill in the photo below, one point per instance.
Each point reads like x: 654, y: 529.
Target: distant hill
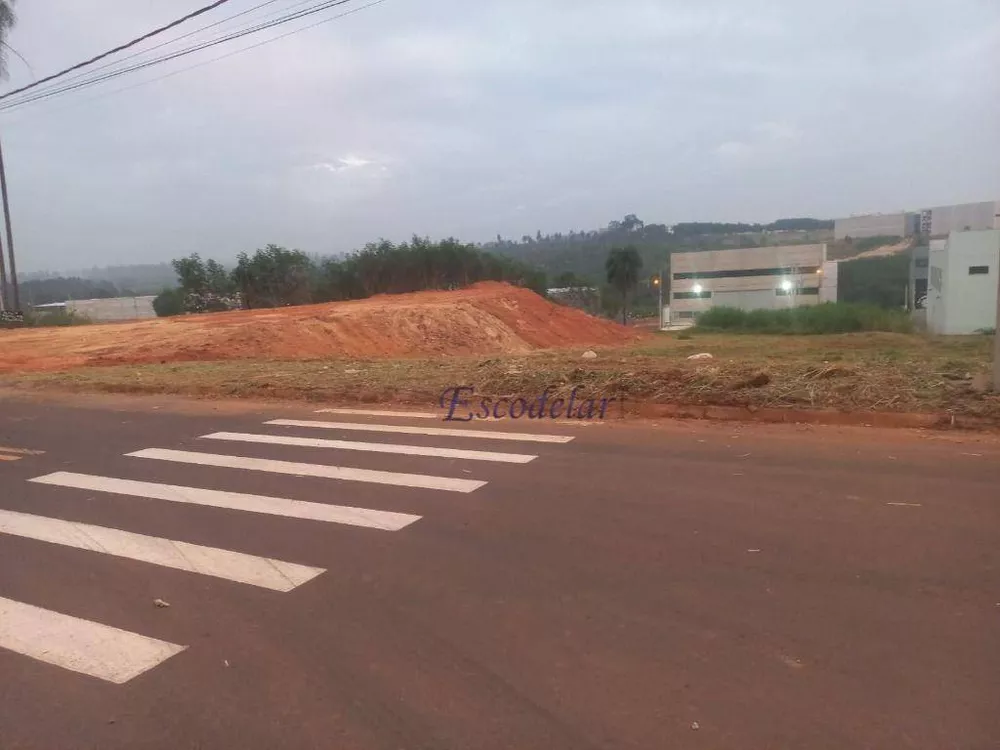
x: 583, y: 253
x: 138, y: 279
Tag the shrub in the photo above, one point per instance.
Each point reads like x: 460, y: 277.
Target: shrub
x: 830, y: 317
x: 169, y: 302
x: 56, y: 318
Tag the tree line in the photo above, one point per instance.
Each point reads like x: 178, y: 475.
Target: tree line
x: 63, y: 289
x: 584, y: 253
x: 275, y: 276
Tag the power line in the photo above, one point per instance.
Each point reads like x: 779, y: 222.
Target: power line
x: 140, y: 53
x: 220, y: 57
x: 45, y: 94
x: 137, y: 40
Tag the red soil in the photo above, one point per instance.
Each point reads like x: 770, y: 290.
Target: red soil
x: 488, y: 318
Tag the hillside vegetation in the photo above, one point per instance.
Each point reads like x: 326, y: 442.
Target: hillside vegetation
x: 583, y: 253
x: 275, y: 276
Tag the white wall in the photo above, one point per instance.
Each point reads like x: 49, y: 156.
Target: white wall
x: 974, y: 216
x: 729, y: 288
x: 829, y: 281
x: 871, y: 225
x: 937, y: 282
x: 118, y: 308
x: 965, y: 302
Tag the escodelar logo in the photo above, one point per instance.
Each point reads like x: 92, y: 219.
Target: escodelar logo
x: 462, y: 406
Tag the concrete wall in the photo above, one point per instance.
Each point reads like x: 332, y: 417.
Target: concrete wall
x: 919, y: 273
x: 939, y: 221
x: 937, y: 282
x: 118, y: 308
x: 754, y: 299
x: 960, y: 302
x: 968, y: 216
x: 828, y: 282
x: 723, y: 274
x: 873, y: 225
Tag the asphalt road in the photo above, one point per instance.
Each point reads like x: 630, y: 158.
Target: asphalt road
x: 640, y: 586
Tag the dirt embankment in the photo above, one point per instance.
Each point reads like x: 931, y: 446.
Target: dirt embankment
x: 488, y: 318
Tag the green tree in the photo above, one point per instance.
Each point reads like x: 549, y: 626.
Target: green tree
x: 217, y: 278
x: 274, y: 277
x: 623, y: 267
x: 205, y: 285
x: 7, y: 20
x: 192, y: 274
x: 169, y: 302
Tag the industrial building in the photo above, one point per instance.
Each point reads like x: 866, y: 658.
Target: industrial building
x: 939, y: 221
x: 901, y: 224
x: 750, y: 279
x: 962, y: 288
x: 105, y: 310
x: 943, y: 220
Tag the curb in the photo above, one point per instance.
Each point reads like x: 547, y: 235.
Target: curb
x: 906, y: 420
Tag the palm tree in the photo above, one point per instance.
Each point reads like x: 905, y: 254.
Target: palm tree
x: 7, y: 21
x: 623, y: 267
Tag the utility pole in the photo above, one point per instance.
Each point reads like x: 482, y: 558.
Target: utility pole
x: 3, y: 281
x: 659, y: 287
x: 996, y: 343
x: 16, y: 296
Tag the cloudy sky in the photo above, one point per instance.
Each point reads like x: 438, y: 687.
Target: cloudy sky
x: 452, y: 117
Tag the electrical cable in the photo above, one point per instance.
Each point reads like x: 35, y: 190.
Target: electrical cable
x: 172, y: 73
x: 119, y: 48
x: 326, y: 5
x: 140, y: 53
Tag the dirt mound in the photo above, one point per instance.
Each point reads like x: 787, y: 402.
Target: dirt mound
x: 488, y: 318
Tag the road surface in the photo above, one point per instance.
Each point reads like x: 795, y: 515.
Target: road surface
x: 200, y: 577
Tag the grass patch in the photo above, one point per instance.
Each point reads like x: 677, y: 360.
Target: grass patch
x: 55, y: 319
x: 872, y: 371
x: 830, y: 317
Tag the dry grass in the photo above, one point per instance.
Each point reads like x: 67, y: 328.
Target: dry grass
x: 855, y: 372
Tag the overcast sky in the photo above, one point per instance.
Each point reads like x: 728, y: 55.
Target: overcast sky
x: 454, y: 117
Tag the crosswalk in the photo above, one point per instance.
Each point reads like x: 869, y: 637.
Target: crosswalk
x: 114, y: 655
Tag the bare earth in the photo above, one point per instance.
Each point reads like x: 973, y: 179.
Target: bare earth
x: 488, y: 318
x: 407, y: 349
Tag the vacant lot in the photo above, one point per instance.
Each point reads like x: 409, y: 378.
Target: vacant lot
x: 853, y: 372
x: 486, y: 318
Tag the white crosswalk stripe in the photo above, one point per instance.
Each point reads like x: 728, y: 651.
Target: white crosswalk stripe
x: 348, y: 445
x: 275, y: 506
x: 344, y: 473
x: 526, y: 437
x: 108, y: 653
x: 276, y: 575
x: 382, y: 413
x: 79, y: 645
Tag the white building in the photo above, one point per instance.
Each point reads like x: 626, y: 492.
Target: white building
x: 105, y: 310
x: 943, y: 220
x: 962, y: 282
x: 750, y: 278
x: 939, y: 221
x: 899, y: 224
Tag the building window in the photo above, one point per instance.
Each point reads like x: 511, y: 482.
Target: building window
x: 978, y: 270
x: 811, y: 291
x: 685, y: 314
x: 747, y: 272
x: 921, y: 263
x: 692, y: 295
